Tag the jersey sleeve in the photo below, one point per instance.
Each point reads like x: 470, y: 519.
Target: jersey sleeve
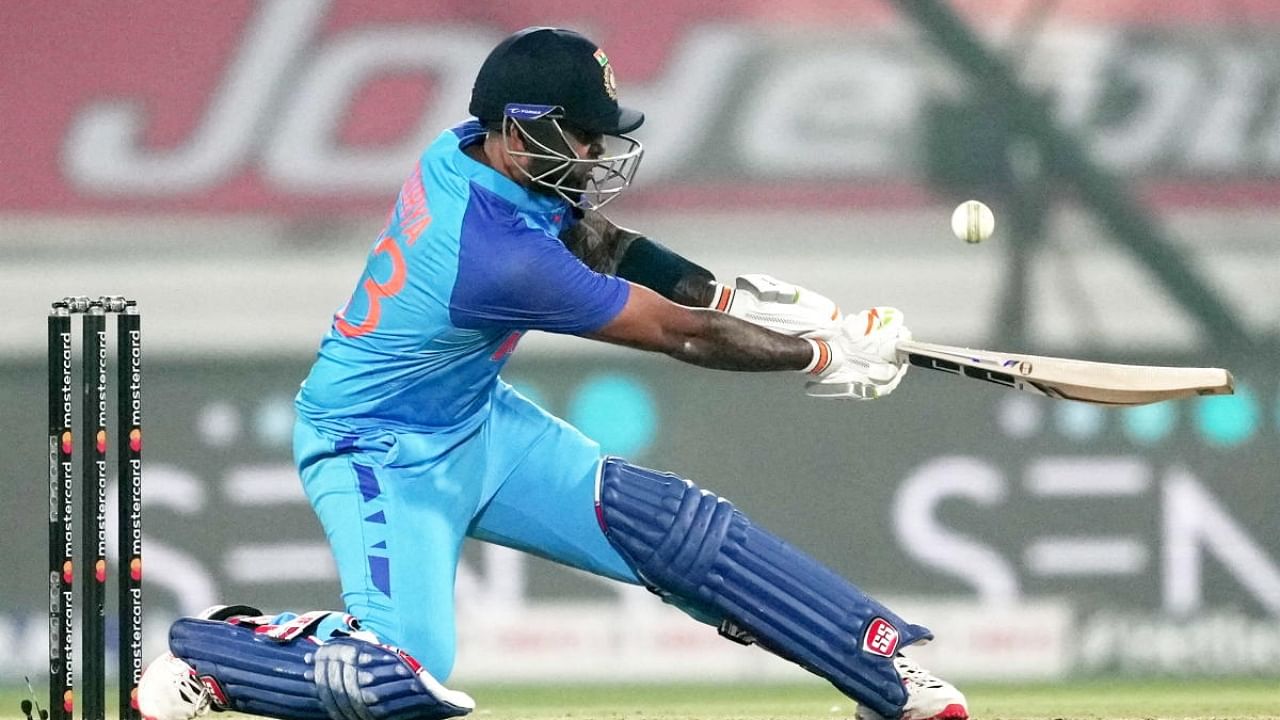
x: 514, y: 276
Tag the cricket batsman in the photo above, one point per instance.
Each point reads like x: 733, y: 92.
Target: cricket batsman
x: 408, y: 440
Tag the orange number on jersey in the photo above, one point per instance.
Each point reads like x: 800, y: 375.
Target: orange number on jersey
x: 376, y: 291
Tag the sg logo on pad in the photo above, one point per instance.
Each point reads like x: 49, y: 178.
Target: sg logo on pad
x: 881, y: 638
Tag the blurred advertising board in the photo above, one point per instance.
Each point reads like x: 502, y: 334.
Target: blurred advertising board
x: 1038, y: 538
x: 299, y: 106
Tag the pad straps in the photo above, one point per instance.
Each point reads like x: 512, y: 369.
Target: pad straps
x: 286, y: 671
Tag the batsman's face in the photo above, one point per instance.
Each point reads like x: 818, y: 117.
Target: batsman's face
x: 584, y: 146
x: 550, y: 144
x: 553, y: 158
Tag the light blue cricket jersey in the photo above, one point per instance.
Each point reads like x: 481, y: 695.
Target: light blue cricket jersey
x: 467, y: 262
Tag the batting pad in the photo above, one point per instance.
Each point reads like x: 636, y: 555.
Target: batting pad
x: 697, y: 548
x: 303, y: 679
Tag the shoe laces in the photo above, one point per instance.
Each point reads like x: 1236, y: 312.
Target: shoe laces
x: 193, y: 692
x: 914, y: 676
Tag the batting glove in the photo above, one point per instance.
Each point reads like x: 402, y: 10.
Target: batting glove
x: 859, y: 363
x: 780, y: 306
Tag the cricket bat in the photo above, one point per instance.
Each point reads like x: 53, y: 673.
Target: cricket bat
x: 1064, y: 379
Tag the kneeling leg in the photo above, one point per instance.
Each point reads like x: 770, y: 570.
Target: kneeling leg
x: 316, y: 666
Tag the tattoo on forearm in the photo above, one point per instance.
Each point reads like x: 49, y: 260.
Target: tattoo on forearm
x: 602, y: 246
x: 727, y: 343
x: 598, y: 243
x: 694, y: 291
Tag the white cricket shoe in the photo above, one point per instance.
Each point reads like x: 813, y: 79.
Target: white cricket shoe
x: 928, y: 697
x: 170, y: 690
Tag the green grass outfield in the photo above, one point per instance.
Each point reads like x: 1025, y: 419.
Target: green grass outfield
x: 1219, y: 700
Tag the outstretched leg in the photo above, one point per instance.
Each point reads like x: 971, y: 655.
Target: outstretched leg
x: 559, y: 500
x: 689, y: 544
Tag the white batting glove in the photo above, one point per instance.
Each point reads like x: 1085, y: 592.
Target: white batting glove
x: 861, y: 362
x: 780, y: 306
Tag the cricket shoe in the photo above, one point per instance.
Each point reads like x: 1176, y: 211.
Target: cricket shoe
x: 170, y: 690
x: 928, y: 697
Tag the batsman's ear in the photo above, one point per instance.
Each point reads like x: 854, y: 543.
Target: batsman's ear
x: 514, y: 138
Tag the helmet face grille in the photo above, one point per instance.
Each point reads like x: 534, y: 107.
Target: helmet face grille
x: 553, y: 165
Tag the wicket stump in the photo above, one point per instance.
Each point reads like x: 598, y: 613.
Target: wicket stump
x: 94, y: 445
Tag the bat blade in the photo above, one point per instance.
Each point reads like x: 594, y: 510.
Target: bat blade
x: 1066, y: 379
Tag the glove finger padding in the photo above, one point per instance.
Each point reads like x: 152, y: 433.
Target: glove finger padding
x: 864, y: 364
x: 852, y: 390
x: 874, y: 333
x: 779, y: 306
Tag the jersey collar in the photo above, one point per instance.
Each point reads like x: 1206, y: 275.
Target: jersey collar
x: 472, y: 132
